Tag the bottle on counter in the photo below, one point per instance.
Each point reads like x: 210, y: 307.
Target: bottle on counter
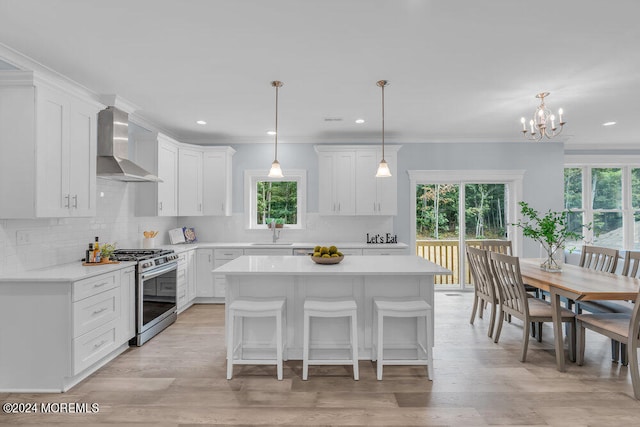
x: 89, y: 255
x: 96, y: 251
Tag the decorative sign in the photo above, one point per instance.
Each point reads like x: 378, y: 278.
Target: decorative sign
x: 382, y: 238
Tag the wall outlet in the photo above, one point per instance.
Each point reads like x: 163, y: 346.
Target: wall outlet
x: 23, y: 237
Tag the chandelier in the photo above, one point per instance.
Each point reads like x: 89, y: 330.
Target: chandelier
x: 276, y: 170
x: 543, y: 122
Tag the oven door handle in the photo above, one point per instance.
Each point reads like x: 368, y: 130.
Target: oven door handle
x: 159, y: 272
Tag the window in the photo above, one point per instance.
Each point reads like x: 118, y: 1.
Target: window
x: 281, y: 200
x: 606, y: 196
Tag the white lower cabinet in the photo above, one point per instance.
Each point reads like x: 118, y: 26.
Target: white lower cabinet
x: 204, y: 277
x: 186, y: 280
x: 61, y: 330
x: 221, y: 257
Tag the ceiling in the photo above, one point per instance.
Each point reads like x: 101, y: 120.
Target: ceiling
x: 459, y: 71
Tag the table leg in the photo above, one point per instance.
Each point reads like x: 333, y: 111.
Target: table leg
x: 557, y: 329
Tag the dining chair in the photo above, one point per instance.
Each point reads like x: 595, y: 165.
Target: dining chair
x: 621, y: 327
x: 504, y: 247
x: 484, y: 288
x: 513, y: 300
x: 629, y: 268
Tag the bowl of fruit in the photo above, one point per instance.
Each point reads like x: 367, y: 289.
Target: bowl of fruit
x: 326, y: 255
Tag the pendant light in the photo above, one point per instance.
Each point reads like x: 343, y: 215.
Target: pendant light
x: 276, y: 171
x: 383, y: 167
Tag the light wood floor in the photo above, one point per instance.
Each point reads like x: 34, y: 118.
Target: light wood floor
x: 178, y: 378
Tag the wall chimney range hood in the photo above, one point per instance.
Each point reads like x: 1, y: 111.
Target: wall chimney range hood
x: 113, y: 149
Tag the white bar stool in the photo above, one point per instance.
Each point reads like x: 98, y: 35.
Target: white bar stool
x: 417, y: 308
x: 255, y: 307
x: 330, y: 308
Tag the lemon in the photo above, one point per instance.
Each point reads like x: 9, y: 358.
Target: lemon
x: 339, y: 253
x: 334, y: 255
x: 333, y: 249
x: 324, y: 250
x: 317, y: 248
x: 326, y: 256
x: 317, y: 254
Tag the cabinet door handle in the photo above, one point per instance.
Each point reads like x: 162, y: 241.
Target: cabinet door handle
x: 209, y: 257
x: 199, y: 207
x: 75, y: 201
x: 374, y: 206
x: 100, y: 344
x: 338, y: 207
x: 379, y: 207
x: 99, y: 311
x: 67, y: 198
x: 99, y: 285
x: 160, y: 206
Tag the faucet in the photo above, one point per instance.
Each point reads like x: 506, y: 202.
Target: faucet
x: 276, y: 234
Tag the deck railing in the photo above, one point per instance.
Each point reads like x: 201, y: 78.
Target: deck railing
x: 446, y: 254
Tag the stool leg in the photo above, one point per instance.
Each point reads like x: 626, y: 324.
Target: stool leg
x: 230, y: 344
x: 380, y: 344
x: 305, y: 348
x: 374, y: 335
x: 354, y: 346
x: 279, y: 344
x: 285, y: 352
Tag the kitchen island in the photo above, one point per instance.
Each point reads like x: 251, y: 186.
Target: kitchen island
x: 359, y: 277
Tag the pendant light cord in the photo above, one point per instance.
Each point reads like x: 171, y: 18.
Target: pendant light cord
x: 383, y: 120
x: 277, y: 85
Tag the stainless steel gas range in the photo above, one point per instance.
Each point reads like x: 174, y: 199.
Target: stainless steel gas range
x: 156, y: 290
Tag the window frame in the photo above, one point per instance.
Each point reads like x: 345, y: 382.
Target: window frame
x: 589, y: 162
x: 251, y: 178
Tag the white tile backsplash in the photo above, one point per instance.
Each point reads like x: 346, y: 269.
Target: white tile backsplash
x: 27, y: 244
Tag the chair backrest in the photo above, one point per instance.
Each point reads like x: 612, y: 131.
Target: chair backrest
x: 481, y: 272
x: 599, y: 258
x: 631, y: 264
x: 500, y: 246
x: 508, y: 279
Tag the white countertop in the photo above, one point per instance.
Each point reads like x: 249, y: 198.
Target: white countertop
x: 392, y: 265
x: 283, y: 245
x: 64, y: 273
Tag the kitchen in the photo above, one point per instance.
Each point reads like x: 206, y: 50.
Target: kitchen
x: 120, y: 211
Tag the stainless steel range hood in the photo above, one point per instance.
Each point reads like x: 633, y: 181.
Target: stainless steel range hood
x: 113, y: 149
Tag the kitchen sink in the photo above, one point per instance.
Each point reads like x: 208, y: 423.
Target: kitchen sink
x: 271, y: 244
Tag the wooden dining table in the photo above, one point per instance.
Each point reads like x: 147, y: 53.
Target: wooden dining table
x: 578, y: 284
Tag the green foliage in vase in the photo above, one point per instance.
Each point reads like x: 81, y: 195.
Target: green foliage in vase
x: 551, y: 229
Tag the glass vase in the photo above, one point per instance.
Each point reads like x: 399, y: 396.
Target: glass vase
x: 551, y: 258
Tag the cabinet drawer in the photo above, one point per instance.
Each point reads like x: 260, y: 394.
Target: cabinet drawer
x: 267, y: 251
x: 95, y: 311
x: 350, y: 252
x: 94, y: 345
x: 384, y: 251
x: 86, y: 287
x: 227, y: 253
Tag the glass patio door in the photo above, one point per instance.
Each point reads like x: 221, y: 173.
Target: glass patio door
x: 451, y: 215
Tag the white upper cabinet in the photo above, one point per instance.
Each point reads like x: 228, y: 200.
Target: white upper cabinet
x: 347, y: 181
x: 337, y: 188
x: 47, y: 149
x: 217, y: 177
x: 159, y: 155
x: 189, y: 182
x: 376, y: 196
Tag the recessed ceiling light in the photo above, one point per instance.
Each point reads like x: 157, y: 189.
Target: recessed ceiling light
x: 271, y: 132
x: 609, y: 124
x: 359, y: 121
x: 201, y: 122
